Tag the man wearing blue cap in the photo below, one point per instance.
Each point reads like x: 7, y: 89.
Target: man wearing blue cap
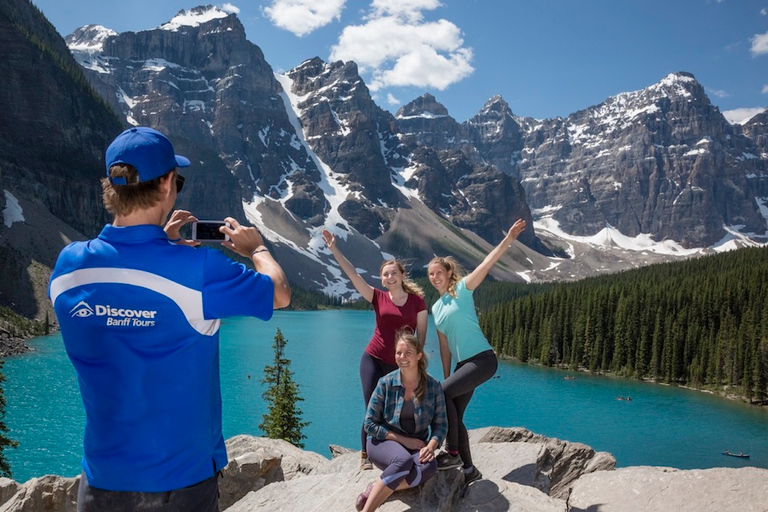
x: 139, y: 313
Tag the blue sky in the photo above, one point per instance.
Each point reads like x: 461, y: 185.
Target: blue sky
x: 546, y: 58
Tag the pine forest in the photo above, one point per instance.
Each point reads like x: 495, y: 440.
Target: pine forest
x: 702, y: 322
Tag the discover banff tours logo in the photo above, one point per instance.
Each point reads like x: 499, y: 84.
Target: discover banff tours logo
x: 120, y: 317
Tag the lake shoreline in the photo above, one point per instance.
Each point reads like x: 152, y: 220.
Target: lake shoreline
x: 734, y: 397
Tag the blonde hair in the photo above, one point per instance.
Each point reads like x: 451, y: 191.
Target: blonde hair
x: 449, y: 264
x: 407, y: 336
x: 408, y: 284
x: 135, y: 195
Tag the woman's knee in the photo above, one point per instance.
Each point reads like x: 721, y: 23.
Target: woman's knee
x: 428, y: 470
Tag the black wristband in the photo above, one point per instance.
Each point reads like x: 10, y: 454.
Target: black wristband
x: 256, y: 251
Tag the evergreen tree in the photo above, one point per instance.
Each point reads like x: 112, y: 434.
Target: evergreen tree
x: 283, y: 417
x: 5, y: 441
x: 703, y: 322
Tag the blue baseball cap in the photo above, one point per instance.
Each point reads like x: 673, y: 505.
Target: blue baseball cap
x: 148, y: 150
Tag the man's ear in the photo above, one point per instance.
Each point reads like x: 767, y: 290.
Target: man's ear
x: 167, y: 183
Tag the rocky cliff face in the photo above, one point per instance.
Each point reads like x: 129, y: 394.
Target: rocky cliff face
x: 297, y: 152
x: 53, y: 131
x: 661, y: 161
x: 352, y: 136
x: 212, y: 91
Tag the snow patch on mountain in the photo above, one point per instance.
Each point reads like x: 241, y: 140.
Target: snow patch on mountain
x: 612, y: 237
x: 89, y: 38
x: 193, y: 18
x: 334, y: 191
x: 12, y: 211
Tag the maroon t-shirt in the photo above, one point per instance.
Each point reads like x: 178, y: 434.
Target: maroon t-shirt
x: 389, y: 320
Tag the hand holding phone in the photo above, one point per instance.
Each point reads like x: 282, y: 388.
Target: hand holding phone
x: 208, y: 231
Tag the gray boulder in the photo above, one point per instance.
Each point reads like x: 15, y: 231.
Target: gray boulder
x: 48, y: 493
x: 258, y: 461
x: 558, y: 463
x: 8, y: 488
x: 660, y: 489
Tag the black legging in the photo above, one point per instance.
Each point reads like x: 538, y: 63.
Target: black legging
x: 459, y: 388
x: 371, y: 370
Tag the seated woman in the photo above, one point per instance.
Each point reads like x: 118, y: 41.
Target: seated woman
x: 406, y: 422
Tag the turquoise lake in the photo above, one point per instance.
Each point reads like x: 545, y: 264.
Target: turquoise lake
x: 661, y: 426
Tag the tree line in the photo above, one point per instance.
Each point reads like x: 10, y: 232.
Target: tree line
x: 701, y: 322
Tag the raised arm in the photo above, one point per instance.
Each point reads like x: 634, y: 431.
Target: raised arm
x: 477, y: 276
x: 247, y: 242
x: 362, y: 287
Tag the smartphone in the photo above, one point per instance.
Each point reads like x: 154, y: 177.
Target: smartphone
x: 208, y: 231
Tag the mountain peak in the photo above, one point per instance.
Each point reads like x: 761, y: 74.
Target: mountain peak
x: 89, y: 38
x: 194, y: 17
x: 496, y: 104
x: 423, y: 106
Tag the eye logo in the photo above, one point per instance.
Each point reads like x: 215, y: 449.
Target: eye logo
x: 81, y: 310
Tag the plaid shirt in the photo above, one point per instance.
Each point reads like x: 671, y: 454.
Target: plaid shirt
x: 386, y: 404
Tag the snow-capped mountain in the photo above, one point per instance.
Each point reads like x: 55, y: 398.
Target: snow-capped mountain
x: 660, y: 161
x: 310, y: 149
x: 298, y: 152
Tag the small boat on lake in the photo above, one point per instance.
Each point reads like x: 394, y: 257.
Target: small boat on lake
x: 740, y: 455
x: 624, y: 398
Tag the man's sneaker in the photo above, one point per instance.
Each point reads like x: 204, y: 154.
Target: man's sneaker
x: 447, y: 461
x: 363, y: 497
x: 471, y: 477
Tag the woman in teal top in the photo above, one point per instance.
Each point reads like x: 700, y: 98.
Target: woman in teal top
x: 462, y: 340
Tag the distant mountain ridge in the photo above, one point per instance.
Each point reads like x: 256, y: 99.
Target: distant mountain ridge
x: 311, y: 148
x: 644, y: 177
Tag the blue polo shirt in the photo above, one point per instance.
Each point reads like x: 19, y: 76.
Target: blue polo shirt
x: 140, y: 321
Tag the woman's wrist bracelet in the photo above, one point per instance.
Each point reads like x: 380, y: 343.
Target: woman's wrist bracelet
x: 257, y: 250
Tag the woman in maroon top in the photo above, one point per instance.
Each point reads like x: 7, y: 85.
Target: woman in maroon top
x: 400, y: 307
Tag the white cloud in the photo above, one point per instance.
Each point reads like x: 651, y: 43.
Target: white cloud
x: 741, y: 115
x: 392, y: 100
x: 765, y: 89
x: 764, y: 11
x: 399, y: 48
x: 303, y: 16
x: 230, y: 8
x: 759, y: 44
x: 407, y: 9
x: 718, y: 93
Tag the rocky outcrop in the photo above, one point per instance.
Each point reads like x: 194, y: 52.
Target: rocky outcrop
x: 517, y: 475
x: 522, y: 471
x: 558, y: 463
x: 48, y: 493
x: 256, y: 461
x: 671, y: 490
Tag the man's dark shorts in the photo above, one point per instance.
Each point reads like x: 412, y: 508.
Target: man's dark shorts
x: 201, y: 497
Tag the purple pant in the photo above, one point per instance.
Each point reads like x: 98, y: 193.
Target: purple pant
x: 399, y: 463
